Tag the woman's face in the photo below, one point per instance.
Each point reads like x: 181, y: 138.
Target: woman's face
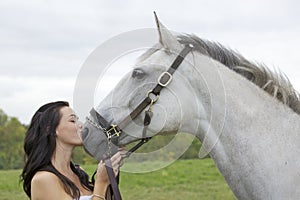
x: 69, y: 128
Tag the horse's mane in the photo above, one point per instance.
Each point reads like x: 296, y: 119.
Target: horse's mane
x: 275, y: 83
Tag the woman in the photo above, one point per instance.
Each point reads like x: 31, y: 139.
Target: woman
x: 49, y: 172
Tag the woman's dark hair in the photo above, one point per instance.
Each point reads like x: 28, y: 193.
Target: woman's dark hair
x: 39, y: 146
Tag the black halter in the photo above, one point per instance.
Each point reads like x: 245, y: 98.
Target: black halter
x: 113, y: 131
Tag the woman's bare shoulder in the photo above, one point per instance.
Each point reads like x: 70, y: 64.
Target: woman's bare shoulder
x: 42, y: 176
x: 46, y: 184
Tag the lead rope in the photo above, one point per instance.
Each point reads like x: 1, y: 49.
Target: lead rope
x: 113, y: 181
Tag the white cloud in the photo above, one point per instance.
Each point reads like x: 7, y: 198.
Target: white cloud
x: 21, y: 96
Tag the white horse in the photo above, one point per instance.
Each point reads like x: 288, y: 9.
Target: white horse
x: 246, y: 117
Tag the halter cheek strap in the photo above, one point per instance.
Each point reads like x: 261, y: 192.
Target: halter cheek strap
x: 164, y: 79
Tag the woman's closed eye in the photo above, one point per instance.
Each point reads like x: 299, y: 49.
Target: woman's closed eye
x: 73, y: 118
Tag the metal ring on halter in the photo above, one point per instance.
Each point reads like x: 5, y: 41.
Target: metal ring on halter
x: 152, y: 99
x: 150, y: 106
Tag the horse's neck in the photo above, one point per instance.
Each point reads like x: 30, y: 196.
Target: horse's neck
x: 258, y: 148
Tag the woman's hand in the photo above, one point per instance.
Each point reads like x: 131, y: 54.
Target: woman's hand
x: 116, y: 162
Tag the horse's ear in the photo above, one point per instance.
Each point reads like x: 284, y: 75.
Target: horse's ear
x: 166, y: 38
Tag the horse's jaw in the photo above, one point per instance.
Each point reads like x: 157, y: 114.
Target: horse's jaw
x: 127, y: 137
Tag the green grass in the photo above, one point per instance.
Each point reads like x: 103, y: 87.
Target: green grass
x: 9, y: 185
x: 184, y: 179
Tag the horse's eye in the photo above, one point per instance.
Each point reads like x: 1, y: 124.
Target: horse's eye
x: 137, y: 73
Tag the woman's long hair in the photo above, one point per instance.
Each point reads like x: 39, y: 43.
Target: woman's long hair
x: 39, y: 146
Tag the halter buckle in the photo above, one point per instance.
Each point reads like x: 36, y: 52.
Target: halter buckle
x: 112, y: 131
x: 164, y: 79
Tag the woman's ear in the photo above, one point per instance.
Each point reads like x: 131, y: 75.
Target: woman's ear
x: 56, y: 132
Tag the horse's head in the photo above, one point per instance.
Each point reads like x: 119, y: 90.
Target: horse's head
x: 157, y: 84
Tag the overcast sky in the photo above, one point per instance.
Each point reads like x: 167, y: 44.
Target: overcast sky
x: 45, y: 43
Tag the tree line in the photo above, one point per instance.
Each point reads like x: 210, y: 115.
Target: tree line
x: 12, y: 134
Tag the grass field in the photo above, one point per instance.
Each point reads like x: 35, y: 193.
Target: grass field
x: 184, y: 179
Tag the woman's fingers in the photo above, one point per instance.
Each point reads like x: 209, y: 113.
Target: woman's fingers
x: 116, y: 160
x: 101, y: 172
x: 118, y: 156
